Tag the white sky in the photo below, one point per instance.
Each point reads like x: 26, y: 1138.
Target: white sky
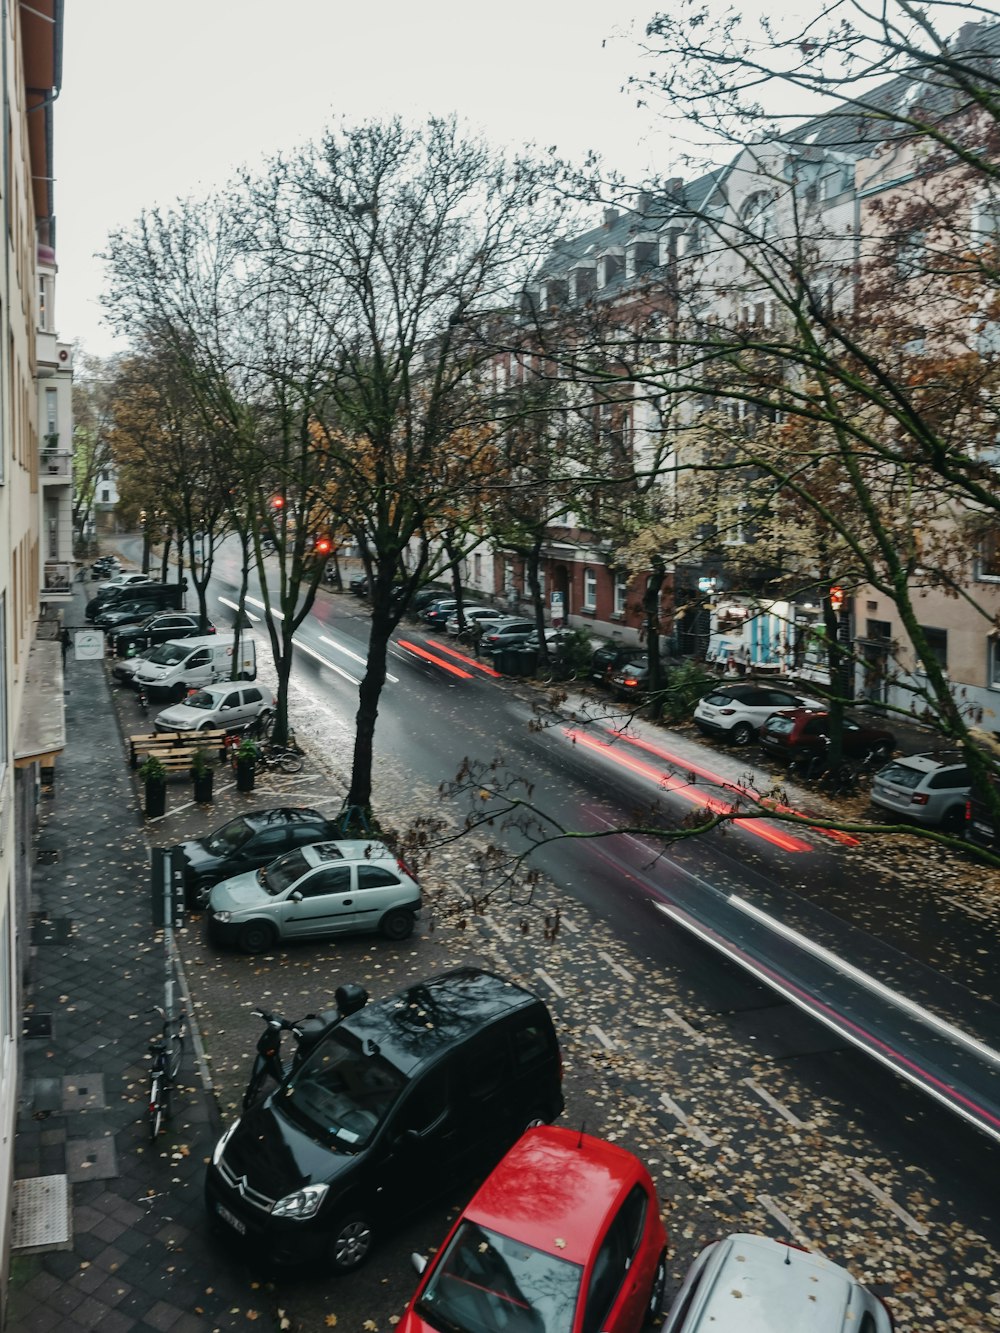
x: 164, y: 99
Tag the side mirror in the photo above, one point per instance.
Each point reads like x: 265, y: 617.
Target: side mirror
x: 418, y: 1261
x: 295, y: 896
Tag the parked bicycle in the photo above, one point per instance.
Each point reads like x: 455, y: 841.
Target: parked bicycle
x: 267, y: 757
x: 268, y: 1067
x: 166, y: 1050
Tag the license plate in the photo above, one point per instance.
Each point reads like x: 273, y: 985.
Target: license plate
x: 231, y: 1218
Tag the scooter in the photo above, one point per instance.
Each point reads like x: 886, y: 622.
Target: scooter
x: 268, y: 1066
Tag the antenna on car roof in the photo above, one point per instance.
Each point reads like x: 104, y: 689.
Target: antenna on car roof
x: 583, y: 1126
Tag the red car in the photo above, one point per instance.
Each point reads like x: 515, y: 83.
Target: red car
x: 564, y: 1236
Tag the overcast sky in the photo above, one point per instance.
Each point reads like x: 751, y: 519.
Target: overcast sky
x: 162, y: 100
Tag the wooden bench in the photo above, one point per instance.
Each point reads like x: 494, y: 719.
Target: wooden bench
x: 171, y: 742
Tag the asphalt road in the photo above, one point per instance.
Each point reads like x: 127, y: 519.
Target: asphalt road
x: 750, y: 1114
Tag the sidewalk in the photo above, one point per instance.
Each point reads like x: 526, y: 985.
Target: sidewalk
x: 132, y: 1251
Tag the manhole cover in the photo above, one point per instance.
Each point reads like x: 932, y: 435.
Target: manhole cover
x: 36, y: 1025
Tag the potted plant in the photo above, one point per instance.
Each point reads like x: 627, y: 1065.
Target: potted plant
x: 201, y: 776
x: 154, y: 775
x: 246, y: 764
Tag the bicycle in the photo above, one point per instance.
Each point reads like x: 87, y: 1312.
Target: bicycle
x: 281, y: 757
x: 167, y: 1052
x: 268, y: 1065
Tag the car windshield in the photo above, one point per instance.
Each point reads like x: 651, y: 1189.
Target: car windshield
x: 169, y: 654
x: 228, y: 838
x: 487, y: 1281
x: 902, y: 775
x: 342, y: 1091
x: 201, y: 699
x: 283, y: 872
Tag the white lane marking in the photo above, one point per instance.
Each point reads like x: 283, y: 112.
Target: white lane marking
x: 233, y: 605
x: 964, y: 906
x: 682, y: 1117
x: 566, y: 924
x: 354, y: 656
x: 839, y: 1024
x: 616, y: 967
x: 500, y: 934
x: 931, y: 1020
x: 304, y: 647
x: 684, y: 1025
x: 275, y: 613
x: 544, y: 976
x: 783, y: 1220
x: 602, y: 1037
x: 774, y: 1104
x: 889, y: 1202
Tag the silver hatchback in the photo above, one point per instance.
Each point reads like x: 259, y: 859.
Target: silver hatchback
x: 930, y: 789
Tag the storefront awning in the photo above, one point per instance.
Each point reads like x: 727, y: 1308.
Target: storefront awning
x: 41, y: 733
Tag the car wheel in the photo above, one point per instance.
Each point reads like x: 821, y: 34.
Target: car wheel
x: 654, y: 1310
x: 742, y: 734
x: 256, y: 937
x: 351, y: 1240
x: 881, y: 754
x: 207, y: 726
x: 397, y: 924
x: 180, y: 693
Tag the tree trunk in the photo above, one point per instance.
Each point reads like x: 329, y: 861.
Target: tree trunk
x: 369, y: 693
x: 651, y: 607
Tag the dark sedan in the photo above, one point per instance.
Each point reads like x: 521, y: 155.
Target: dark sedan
x: 127, y: 613
x: 805, y: 730
x: 158, y: 628
x: 247, y: 842
x: 630, y: 680
x: 508, y: 632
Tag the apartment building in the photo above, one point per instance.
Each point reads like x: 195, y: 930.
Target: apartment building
x: 35, y: 551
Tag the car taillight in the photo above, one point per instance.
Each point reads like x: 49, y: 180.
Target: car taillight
x: 630, y: 680
x: 727, y: 712
x: 403, y: 868
x: 968, y: 812
x: 918, y: 798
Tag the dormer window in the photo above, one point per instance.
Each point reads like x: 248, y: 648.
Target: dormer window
x: 609, y: 266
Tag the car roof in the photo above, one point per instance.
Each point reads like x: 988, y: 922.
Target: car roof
x: 930, y: 763
x: 504, y: 621
x: 753, y: 1284
x: 432, y: 1016
x: 350, y: 849
x: 273, y: 816
x: 555, y: 1190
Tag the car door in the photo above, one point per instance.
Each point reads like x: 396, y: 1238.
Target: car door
x: 326, y: 905
x: 250, y: 703
x: 617, y: 1287
x: 260, y: 850
x: 422, y: 1148
x: 169, y: 627
x: 230, y: 710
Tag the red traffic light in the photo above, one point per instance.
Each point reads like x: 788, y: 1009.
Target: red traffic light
x: 323, y: 545
x: 836, y: 597
x: 277, y: 502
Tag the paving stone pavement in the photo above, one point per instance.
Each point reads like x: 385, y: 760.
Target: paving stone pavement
x: 138, y: 1257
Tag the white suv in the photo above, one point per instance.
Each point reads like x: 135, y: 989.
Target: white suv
x: 737, y: 712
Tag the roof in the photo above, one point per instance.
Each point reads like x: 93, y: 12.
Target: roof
x: 554, y: 1191
x: 432, y: 1016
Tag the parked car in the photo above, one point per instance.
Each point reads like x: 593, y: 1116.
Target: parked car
x: 980, y: 826
x: 435, y: 615
x: 753, y: 1282
x: 125, y: 668
x: 804, y: 730
x: 124, y: 580
x: 423, y: 597
x: 506, y: 632
x: 230, y: 705
x: 247, y: 842
x: 564, y: 1236
x: 631, y: 679
x: 486, y: 614
x: 610, y: 656
x: 737, y: 712
x: 163, y: 596
x: 358, y: 585
x: 158, y: 628
x: 131, y: 612
x: 394, y: 1105
x: 327, y: 888
x: 930, y: 789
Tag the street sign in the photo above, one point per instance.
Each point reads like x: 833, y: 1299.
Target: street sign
x: 88, y: 645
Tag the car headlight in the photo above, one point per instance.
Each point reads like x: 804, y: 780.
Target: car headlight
x: 302, y: 1204
x: 223, y: 917
x: 220, y: 1147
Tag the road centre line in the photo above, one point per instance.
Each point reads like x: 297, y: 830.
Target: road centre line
x: 544, y: 976
x: 888, y: 1202
x: 616, y: 967
x: 275, y: 614
x: 684, y: 1120
x: 848, y: 969
x: 355, y: 657
x: 783, y: 1220
x: 304, y: 647
x: 233, y: 606
x: 501, y: 935
x: 774, y: 1104
x: 965, y: 907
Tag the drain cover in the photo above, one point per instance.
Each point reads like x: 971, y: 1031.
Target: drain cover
x: 49, y: 856
x: 41, y: 1214
x: 36, y: 1025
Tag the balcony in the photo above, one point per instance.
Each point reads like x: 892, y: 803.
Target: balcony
x: 57, y: 584
x: 55, y: 464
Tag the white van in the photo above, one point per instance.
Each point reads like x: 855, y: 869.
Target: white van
x: 180, y: 665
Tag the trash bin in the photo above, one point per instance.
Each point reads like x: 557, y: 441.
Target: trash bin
x: 506, y: 661
x: 527, y: 661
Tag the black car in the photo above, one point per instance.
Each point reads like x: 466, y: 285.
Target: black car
x: 436, y: 614
x: 246, y: 842
x: 358, y: 585
x: 130, y: 612
x: 609, y: 657
x: 630, y: 680
x: 158, y: 628
x: 509, y: 632
x: 392, y: 1106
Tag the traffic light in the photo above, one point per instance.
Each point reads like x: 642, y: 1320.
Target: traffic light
x: 836, y: 597
x: 277, y: 502
x: 323, y: 546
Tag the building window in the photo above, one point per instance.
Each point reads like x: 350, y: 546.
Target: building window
x: 937, y: 641
x: 994, y: 662
x: 988, y: 564
x: 51, y: 412
x: 589, y: 589
x: 621, y: 589
x: 105, y: 496
x: 477, y: 568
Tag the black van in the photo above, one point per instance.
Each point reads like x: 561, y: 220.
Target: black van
x: 160, y: 597
x: 391, y: 1107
